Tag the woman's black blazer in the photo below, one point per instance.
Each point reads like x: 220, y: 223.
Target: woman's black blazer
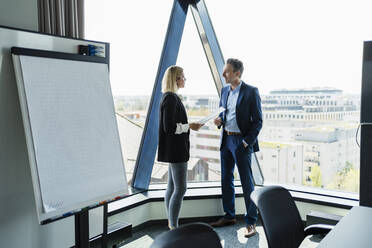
x: 172, y: 148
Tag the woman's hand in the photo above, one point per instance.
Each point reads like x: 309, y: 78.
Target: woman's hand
x: 195, y: 126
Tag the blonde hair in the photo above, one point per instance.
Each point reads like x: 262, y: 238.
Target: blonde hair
x: 171, y: 75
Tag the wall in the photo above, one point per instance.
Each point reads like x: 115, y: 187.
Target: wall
x: 19, y: 14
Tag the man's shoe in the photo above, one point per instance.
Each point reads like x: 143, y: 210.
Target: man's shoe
x: 223, y: 222
x: 250, y: 231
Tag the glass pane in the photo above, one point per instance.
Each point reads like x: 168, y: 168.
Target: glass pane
x: 305, y: 57
x: 200, y: 98
x: 136, y: 34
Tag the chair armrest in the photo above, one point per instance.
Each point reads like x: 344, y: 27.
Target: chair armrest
x: 318, y: 229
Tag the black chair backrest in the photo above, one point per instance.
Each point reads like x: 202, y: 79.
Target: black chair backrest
x: 194, y: 235
x: 280, y: 217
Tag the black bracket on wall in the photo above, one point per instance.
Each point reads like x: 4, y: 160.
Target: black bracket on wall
x: 365, y: 192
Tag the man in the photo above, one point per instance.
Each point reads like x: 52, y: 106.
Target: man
x: 241, y: 122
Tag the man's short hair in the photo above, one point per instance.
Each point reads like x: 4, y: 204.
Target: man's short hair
x: 236, y: 64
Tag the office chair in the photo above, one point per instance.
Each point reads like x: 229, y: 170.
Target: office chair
x: 280, y: 218
x: 195, y: 235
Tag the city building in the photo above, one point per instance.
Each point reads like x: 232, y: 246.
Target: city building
x: 281, y: 162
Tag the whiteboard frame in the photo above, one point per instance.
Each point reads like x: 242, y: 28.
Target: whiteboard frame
x: 47, y: 217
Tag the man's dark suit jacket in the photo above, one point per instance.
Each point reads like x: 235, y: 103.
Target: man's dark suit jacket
x: 248, y: 113
x: 172, y: 148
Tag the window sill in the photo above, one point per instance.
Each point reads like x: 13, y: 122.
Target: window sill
x: 291, y: 188
x: 212, y: 190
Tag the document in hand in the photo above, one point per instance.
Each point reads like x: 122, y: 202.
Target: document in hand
x: 211, y: 116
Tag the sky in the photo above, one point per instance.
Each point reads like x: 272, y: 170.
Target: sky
x: 283, y: 44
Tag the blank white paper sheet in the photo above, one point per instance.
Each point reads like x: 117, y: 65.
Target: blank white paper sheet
x: 71, y: 133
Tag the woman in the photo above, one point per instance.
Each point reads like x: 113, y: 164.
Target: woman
x: 174, y: 144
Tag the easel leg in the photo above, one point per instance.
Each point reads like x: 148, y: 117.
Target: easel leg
x: 104, y: 234
x: 82, y: 229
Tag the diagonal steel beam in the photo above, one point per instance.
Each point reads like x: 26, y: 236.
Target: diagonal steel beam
x: 149, y: 142
x: 209, y: 42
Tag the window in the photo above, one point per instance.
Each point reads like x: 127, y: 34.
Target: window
x: 135, y: 48
x: 285, y: 49
x: 200, y: 98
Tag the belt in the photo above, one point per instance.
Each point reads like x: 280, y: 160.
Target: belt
x: 232, y: 133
